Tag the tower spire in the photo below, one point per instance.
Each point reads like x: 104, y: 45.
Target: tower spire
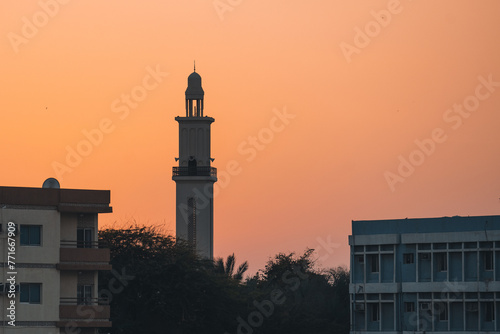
x: 194, y: 95
x: 194, y: 65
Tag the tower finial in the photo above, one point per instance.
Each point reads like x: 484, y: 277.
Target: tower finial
x: 194, y: 65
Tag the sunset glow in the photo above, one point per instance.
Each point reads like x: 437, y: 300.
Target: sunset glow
x: 325, y: 111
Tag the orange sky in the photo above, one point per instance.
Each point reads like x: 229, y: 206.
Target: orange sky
x: 359, y: 103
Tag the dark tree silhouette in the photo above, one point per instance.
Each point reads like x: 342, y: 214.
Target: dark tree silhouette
x: 173, y: 291
x: 310, y: 300
x: 168, y: 289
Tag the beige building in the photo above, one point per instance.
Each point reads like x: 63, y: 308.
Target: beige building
x: 56, y: 260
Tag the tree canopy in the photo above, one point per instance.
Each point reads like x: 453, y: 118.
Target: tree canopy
x: 164, y: 287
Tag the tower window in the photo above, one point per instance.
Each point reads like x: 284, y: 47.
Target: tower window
x: 192, y: 220
x: 192, y: 167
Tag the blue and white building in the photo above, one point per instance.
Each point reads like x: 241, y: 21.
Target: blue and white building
x: 439, y: 275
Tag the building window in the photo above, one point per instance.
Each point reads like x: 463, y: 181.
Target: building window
x: 409, y: 307
x: 30, y: 293
x: 488, y: 260
x: 84, y: 294
x: 359, y: 307
x: 442, y: 310
x: 408, y: 258
x: 471, y: 307
x: 425, y: 307
x: 373, y: 262
x: 387, y: 248
x: 441, y: 262
x: 375, y: 314
x: 84, y: 237
x: 31, y: 235
x: 425, y: 256
x: 489, y: 311
x: 192, y: 220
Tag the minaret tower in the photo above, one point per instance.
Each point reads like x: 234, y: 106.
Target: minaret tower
x: 194, y: 177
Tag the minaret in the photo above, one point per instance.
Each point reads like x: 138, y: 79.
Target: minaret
x: 194, y: 177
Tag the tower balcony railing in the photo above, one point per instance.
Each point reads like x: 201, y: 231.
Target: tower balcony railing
x: 195, y: 171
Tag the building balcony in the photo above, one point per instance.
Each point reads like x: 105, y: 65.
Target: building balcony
x: 195, y: 171
x: 75, y: 255
x: 90, y: 312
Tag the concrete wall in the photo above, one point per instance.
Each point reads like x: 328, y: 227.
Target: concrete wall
x: 68, y: 226
x: 35, y: 264
x: 69, y: 281
x: 48, y: 309
x: 48, y: 252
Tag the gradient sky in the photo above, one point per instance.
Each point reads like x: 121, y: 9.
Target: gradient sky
x: 368, y: 83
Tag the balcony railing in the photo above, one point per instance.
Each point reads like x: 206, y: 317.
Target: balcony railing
x: 76, y: 311
x: 83, y: 301
x: 83, y: 255
x: 195, y: 171
x: 79, y: 244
